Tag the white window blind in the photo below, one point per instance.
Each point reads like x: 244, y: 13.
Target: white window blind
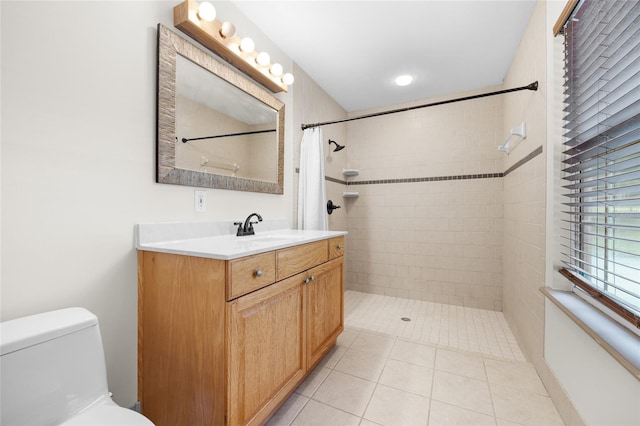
x: 602, y: 153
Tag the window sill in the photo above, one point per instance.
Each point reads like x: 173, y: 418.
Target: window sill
x: 619, y: 342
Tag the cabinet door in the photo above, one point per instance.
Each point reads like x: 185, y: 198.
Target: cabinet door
x: 325, y: 291
x: 266, y: 355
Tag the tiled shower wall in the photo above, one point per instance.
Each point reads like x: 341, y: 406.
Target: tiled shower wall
x: 428, y: 220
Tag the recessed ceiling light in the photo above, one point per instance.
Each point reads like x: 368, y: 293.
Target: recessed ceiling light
x: 403, y: 80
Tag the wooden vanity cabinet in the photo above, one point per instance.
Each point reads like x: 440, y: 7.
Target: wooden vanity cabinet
x: 221, y: 343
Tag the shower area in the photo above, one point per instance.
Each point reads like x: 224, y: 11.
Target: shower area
x: 435, y: 211
x: 421, y: 193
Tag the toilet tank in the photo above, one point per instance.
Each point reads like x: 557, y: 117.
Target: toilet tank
x: 51, y: 367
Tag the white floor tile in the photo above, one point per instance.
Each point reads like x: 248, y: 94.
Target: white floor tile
x: 318, y: 414
x: 441, y: 414
x: 413, y: 353
x: 407, y: 377
x: 462, y: 391
x: 523, y: 407
x: 376, y: 344
x: 361, y: 364
x: 461, y: 363
x: 345, y: 392
x: 450, y: 365
x: 289, y: 410
x: 518, y: 375
x: 392, y: 407
x: 313, y: 381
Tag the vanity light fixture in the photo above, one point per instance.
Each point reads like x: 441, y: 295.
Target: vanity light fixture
x: 198, y: 20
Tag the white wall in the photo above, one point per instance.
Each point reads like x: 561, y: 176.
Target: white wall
x: 78, y: 162
x: 601, y: 389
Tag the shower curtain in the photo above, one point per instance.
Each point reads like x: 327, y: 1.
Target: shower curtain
x: 312, y: 200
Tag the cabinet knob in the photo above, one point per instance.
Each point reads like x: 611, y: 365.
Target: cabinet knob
x: 258, y: 272
x: 313, y: 278
x: 339, y: 247
x: 307, y: 280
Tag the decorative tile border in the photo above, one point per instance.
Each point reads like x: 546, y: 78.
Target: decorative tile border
x: 525, y: 160
x: 511, y: 169
x: 426, y: 179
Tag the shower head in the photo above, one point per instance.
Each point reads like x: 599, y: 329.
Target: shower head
x: 338, y: 146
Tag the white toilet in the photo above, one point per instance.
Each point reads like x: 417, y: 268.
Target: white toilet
x: 52, y: 372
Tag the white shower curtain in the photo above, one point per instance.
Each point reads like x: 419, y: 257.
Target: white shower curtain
x: 312, y: 200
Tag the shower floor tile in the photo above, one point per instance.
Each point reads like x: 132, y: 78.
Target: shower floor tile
x: 458, y: 327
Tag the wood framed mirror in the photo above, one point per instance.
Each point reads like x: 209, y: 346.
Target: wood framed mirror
x: 215, y: 128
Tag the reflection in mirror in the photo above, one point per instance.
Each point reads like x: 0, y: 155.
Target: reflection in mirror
x: 215, y: 128
x: 218, y: 136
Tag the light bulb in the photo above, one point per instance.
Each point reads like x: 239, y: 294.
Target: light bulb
x: 403, y: 80
x: 206, y: 11
x: 227, y: 29
x: 263, y: 59
x: 247, y: 45
x: 288, y: 79
x: 276, y: 70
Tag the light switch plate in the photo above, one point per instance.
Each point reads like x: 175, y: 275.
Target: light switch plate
x: 200, y: 199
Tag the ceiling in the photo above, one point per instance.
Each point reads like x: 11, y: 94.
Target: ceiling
x: 355, y: 49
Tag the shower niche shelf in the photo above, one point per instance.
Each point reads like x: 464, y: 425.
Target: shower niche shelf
x: 350, y: 172
x: 350, y: 194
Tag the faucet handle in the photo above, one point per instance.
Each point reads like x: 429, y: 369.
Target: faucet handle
x: 240, y: 231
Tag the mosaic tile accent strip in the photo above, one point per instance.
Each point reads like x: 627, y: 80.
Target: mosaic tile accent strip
x: 511, y: 169
x: 525, y: 160
x: 427, y: 179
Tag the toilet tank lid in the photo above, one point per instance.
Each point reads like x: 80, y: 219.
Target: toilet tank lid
x: 21, y: 333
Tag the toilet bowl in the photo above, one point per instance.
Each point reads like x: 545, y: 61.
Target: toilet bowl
x: 53, y: 372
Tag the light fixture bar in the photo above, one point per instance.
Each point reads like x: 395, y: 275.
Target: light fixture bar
x: 186, y: 19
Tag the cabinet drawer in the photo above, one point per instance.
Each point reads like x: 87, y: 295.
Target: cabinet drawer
x: 336, y: 247
x: 296, y: 259
x: 250, y: 273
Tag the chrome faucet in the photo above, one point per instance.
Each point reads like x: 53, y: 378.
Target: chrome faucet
x: 247, y: 227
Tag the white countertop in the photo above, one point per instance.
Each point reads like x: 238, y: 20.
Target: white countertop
x: 215, y: 242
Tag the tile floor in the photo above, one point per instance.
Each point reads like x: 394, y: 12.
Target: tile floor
x: 380, y: 373
x: 470, y: 329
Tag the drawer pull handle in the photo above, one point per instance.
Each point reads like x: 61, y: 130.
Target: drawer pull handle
x: 339, y: 247
x: 258, y: 272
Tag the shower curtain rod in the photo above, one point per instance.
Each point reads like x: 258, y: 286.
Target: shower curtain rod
x: 255, y: 132
x: 532, y: 86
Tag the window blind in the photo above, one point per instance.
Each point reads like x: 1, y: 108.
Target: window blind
x: 601, y: 157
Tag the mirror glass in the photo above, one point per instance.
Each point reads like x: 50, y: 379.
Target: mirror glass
x: 216, y: 128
